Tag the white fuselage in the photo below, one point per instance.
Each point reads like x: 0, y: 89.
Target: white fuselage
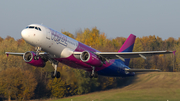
x: 61, y: 48
x: 51, y: 41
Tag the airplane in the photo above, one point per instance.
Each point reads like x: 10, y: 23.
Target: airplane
x: 58, y: 47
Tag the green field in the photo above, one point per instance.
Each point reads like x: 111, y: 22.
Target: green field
x: 154, y: 86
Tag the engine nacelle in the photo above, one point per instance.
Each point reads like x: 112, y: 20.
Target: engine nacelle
x: 31, y: 58
x: 90, y: 59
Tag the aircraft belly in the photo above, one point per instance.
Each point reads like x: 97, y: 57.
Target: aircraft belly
x: 115, y: 70
x: 112, y: 71
x: 74, y: 63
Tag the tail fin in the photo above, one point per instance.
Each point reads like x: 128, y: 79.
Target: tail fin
x: 128, y: 46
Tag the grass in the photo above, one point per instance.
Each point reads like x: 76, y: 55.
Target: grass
x: 154, y: 86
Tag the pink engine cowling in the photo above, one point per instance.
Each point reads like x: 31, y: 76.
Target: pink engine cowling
x: 31, y: 58
x: 90, y: 59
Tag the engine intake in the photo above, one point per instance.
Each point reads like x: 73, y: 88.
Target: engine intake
x: 90, y: 59
x: 31, y: 58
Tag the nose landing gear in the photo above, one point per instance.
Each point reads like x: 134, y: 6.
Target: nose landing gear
x: 55, y: 73
x: 38, y: 49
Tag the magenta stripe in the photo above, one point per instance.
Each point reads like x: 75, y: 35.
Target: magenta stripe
x: 82, y: 47
x: 75, y: 63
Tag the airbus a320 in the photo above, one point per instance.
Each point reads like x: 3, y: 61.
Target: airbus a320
x: 58, y: 47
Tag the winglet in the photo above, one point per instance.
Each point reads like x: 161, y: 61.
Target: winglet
x: 174, y: 52
x: 7, y: 54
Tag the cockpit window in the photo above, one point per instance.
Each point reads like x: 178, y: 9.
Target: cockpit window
x: 36, y: 28
x: 32, y: 27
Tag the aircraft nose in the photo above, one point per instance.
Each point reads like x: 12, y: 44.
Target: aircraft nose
x: 24, y: 34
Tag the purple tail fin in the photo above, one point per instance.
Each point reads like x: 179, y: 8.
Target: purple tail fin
x: 128, y: 46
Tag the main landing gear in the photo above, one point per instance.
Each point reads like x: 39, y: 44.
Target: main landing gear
x: 93, y: 73
x: 38, y: 49
x: 55, y: 73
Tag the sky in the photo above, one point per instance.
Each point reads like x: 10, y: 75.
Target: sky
x: 115, y: 18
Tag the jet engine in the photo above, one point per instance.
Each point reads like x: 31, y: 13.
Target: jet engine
x: 32, y: 59
x: 90, y: 59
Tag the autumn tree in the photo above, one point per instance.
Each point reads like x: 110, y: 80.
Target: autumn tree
x: 84, y: 83
x: 57, y: 87
x: 68, y: 34
x: 17, y: 83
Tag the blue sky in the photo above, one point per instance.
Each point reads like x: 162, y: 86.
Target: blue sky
x: 116, y: 18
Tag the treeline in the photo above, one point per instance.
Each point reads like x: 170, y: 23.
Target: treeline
x: 21, y: 81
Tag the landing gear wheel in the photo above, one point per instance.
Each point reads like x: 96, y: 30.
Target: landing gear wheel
x: 52, y: 75
x: 95, y: 75
x: 57, y: 75
x: 91, y: 76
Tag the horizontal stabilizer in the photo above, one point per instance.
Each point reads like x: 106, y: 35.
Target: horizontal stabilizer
x: 142, y: 70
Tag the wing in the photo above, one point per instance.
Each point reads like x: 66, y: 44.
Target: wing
x: 127, y: 55
x: 13, y: 53
x: 21, y: 54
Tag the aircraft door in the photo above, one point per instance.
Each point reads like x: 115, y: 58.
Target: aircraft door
x: 48, y: 34
x: 48, y: 39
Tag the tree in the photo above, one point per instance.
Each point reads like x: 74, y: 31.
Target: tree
x: 17, y: 83
x: 68, y: 34
x: 57, y: 87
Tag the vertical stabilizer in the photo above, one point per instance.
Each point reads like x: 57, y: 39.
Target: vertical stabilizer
x: 128, y: 46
